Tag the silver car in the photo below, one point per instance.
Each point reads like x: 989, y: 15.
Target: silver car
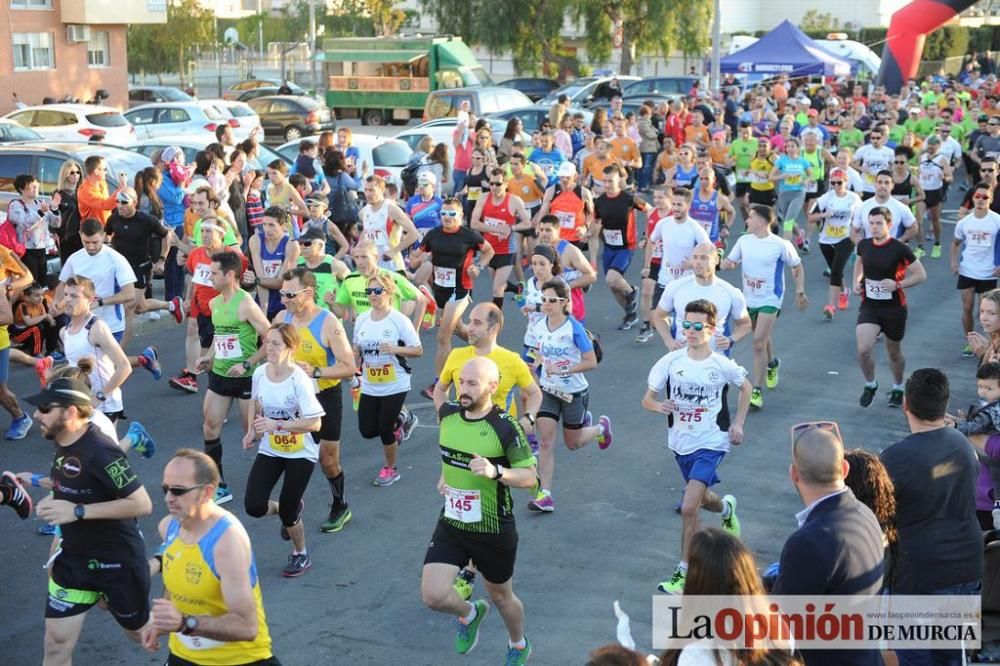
x: 196, y: 118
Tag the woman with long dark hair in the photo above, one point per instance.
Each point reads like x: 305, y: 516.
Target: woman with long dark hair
x: 869, y: 481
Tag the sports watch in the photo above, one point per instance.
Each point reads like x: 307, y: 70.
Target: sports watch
x: 79, y: 511
x: 189, y: 623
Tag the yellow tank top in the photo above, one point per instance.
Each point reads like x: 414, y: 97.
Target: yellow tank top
x: 190, y: 577
x: 311, y: 349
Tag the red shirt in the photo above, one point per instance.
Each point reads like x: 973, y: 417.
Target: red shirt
x: 199, y: 264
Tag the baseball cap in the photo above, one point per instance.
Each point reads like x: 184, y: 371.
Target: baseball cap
x: 62, y: 392
x: 126, y: 196
x: 719, y: 135
x: 170, y: 153
x: 837, y: 173
x: 313, y: 233
x: 316, y: 200
x: 427, y: 178
x: 983, y: 118
x: 744, y: 123
x: 812, y: 112
x: 566, y: 170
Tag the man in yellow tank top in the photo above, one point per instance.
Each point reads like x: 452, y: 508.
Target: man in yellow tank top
x: 212, y: 607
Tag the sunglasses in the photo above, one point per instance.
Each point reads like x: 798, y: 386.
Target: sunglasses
x: 307, y: 243
x: 900, y: 162
x: 836, y: 182
x: 374, y: 291
x: 291, y: 294
x: 45, y: 409
x: 449, y: 213
x: 800, y: 429
x: 72, y: 173
x: 552, y: 299
x: 987, y: 170
x: 696, y: 325
x: 981, y: 197
x: 496, y: 184
x: 180, y: 491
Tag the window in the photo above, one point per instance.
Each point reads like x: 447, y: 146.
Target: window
x: 11, y: 166
x: 32, y: 50
x: 48, y: 174
x: 173, y: 116
x: 31, y: 4
x: 50, y: 118
x: 97, y: 49
x: 141, y: 116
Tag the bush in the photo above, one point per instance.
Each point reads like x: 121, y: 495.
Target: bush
x: 947, y: 42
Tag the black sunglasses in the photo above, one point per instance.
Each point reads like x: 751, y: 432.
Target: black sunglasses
x: 552, y: 299
x: 307, y: 243
x: 181, y: 491
x: 492, y: 184
x: 374, y: 291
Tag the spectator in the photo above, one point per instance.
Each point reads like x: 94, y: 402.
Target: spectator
x: 615, y: 655
x: 871, y: 485
x: 70, y: 177
x: 93, y: 196
x: 171, y: 193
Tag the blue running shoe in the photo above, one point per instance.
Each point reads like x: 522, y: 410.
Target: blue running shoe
x: 149, y: 353
x: 20, y: 427
x: 142, y: 443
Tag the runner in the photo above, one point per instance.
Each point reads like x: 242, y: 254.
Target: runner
x: 546, y: 265
x: 17, y: 277
x: 212, y: 607
x: 741, y: 153
x: 424, y: 207
x: 615, y: 221
x: 386, y: 225
x: 576, y: 270
x: 763, y: 257
x: 352, y: 297
x: 498, y: 215
x: 327, y: 269
x: 333, y: 238
x: 95, y: 500
x: 872, y: 158
x: 711, y: 209
x: 595, y: 164
x: 452, y: 248
x: 833, y: 213
x: 793, y: 174
x: 236, y: 321
x: 530, y: 184
x: 285, y: 412
x: 977, y: 270
x: 272, y: 252
x: 935, y: 176
x: 484, y: 453
x: 695, y: 382
x: 565, y: 353
x: 762, y: 190
x: 902, y: 224
x: 886, y: 266
x: 383, y: 341
x: 572, y: 204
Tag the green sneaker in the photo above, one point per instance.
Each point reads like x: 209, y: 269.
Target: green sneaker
x: 732, y: 523
x: 675, y: 584
x: 919, y: 252
x: 936, y: 252
x: 339, y: 516
x: 772, y: 374
x: 468, y: 634
x: 756, y: 398
x: 518, y: 657
x: 463, y: 584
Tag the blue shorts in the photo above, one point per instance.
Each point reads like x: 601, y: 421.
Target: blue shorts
x: 616, y: 258
x: 4, y: 365
x: 700, y: 465
x: 118, y: 335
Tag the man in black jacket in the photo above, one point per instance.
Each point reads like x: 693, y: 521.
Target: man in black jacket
x: 837, y: 549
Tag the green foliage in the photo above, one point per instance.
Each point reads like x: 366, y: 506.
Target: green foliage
x: 946, y: 42
x: 814, y: 21
x: 166, y: 47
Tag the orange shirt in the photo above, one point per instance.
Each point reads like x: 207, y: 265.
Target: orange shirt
x: 694, y: 134
x: 525, y: 187
x: 665, y: 161
x: 718, y: 155
x: 594, y: 166
x: 94, y: 200
x: 624, y: 149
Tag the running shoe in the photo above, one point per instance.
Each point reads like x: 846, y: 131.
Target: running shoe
x: 297, y: 565
x: 184, y: 382
x: 867, y: 395
x: 222, y: 495
x: 828, y: 312
x: 732, y: 523
x: 142, y: 443
x: 629, y: 321
x: 826, y: 272
x: 919, y: 252
x: 543, y: 502
x: 756, y: 398
x: 468, y: 634
x: 936, y: 252
x: 588, y: 419
x: 929, y: 236
x: 518, y: 656
x: 47, y: 529
x: 805, y: 245
x: 283, y: 532
x: 632, y: 302
x: 533, y: 443
x: 177, y: 309
x: 606, y: 437
x: 843, y: 300
x: 772, y: 373
x: 896, y: 398
x: 645, y: 333
x: 464, y: 584
x: 397, y: 432
x: 15, y: 496
x: 386, y: 477
x: 339, y: 516
x: 42, y: 367
x: 674, y: 584
x: 967, y: 352
x: 151, y: 364
x: 19, y: 428
x: 429, y: 391
x: 409, y: 423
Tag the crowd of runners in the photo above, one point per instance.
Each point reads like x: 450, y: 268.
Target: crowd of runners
x: 285, y: 288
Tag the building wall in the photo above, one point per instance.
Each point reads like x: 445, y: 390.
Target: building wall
x: 754, y: 15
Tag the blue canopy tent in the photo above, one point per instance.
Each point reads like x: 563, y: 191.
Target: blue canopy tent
x: 784, y: 50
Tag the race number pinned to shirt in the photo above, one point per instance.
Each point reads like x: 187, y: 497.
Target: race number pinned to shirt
x: 198, y: 642
x: 271, y: 267
x: 743, y: 176
x: 378, y: 237
x: 613, y: 237
x: 381, y: 374
x: 462, y: 505
x: 692, y: 418
x: 566, y: 220
x: 812, y: 186
x: 202, y: 275
x: 227, y: 347
x: 286, y: 442
x: 874, y: 291
x: 978, y: 239
x: 444, y: 277
x: 495, y: 224
x: 754, y: 285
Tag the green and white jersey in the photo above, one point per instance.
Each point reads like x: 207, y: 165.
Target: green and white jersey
x: 474, y: 503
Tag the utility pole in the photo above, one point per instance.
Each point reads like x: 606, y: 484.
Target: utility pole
x: 260, y: 28
x: 714, y: 79
x: 218, y: 53
x: 312, y: 46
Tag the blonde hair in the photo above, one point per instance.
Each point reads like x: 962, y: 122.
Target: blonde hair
x: 64, y: 173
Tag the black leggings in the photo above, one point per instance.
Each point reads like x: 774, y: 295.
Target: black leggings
x: 836, y: 259
x: 264, y: 476
x: 36, y: 262
x: 377, y: 416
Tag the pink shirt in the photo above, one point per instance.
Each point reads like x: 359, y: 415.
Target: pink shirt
x: 463, y: 153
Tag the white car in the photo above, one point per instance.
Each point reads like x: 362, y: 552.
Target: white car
x: 197, y: 118
x: 385, y: 156
x: 76, y: 122
x: 245, y: 117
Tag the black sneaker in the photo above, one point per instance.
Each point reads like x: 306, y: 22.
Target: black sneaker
x: 896, y: 398
x: 410, y: 422
x: 632, y: 302
x: 297, y: 565
x: 867, y: 395
x: 628, y: 322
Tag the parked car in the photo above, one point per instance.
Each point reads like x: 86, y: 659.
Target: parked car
x: 199, y: 118
x: 661, y: 85
x: 292, y: 117
x: 10, y: 131
x: 236, y: 90
x: 191, y: 146
x: 535, y: 88
x: 482, y: 100
x: 139, y: 95
x: 246, y: 119
x: 76, y: 122
x: 385, y: 156
x: 533, y: 116
x: 584, y: 91
x: 631, y: 103
x: 264, y: 91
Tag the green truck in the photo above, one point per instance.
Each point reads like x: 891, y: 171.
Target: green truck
x: 387, y: 79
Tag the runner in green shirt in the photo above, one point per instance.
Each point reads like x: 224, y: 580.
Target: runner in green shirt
x: 329, y: 271
x: 850, y: 136
x: 741, y: 153
x: 351, y: 292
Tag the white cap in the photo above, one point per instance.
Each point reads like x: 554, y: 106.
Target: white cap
x: 427, y: 178
x: 169, y: 153
x: 566, y: 170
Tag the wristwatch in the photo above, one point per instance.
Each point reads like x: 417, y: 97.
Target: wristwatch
x: 316, y: 373
x: 79, y: 511
x: 100, y: 301
x: 100, y: 396
x: 498, y: 473
x: 189, y: 623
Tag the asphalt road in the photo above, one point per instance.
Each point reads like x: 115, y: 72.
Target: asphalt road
x: 613, y: 536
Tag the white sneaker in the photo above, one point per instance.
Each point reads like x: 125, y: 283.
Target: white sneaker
x: 154, y: 314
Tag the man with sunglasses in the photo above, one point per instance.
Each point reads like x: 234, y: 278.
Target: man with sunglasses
x: 872, y: 158
x: 987, y: 145
x: 328, y: 269
x: 96, y: 499
x: 884, y: 267
x: 988, y: 172
x: 212, y: 609
x: 977, y: 270
x: 352, y: 300
x: 500, y: 216
x: 902, y: 224
x: 695, y: 382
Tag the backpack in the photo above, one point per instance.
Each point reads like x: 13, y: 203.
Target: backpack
x: 343, y: 203
x: 409, y: 177
x: 8, y: 237
x: 595, y: 339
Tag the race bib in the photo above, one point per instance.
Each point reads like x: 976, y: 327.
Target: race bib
x: 286, y: 442
x: 978, y: 239
x: 692, y: 419
x: 378, y: 237
x: 474, y: 193
x: 812, y: 186
x: 227, y: 347
x: 874, y: 291
x: 444, y: 277
x: 198, y: 642
x: 465, y: 506
x: 794, y: 180
x: 566, y: 220
x: 202, y: 275
x: 494, y: 223
x: 870, y: 178
x: 271, y: 267
x: 742, y: 175
x: 381, y: 374
x: 760, y: 177
x: 754, y: 285
x: 613, y: 237
x: 835, y: 231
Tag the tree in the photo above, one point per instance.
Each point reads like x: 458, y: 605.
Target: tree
x: 813, y: 21
x: 152, y: 47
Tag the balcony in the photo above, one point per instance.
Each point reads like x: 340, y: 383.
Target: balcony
x: 98, y: 12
